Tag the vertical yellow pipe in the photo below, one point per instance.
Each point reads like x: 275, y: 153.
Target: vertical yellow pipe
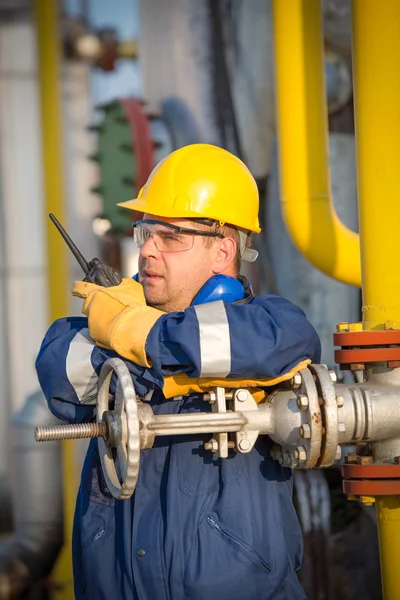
x: 376, y: 59
x: 303, y: 142
x: 47, y: 28
x: 388, y: 520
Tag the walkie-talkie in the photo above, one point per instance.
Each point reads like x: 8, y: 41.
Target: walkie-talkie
x: 96, y: 271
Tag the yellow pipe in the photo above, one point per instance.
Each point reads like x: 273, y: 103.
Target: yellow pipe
x: 47, y: 28
x: 303, y: 145
x: 376, y: 59
x: 388, y: 517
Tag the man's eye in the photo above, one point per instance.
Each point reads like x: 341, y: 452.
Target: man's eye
x: 170, y: 237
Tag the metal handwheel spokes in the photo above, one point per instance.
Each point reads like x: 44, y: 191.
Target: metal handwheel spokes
x: 121, y: 474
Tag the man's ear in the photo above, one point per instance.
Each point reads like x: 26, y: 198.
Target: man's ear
x: 225, y: 255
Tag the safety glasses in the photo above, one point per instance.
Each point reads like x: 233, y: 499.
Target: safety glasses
x: 167, y: 237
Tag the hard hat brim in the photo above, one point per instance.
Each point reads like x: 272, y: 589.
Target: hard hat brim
x: 169, y: 211
x: 159, y: 211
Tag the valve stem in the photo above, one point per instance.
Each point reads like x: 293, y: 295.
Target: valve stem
x: 70, y: 432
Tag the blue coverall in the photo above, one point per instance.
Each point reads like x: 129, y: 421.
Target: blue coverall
x: 196, y: 528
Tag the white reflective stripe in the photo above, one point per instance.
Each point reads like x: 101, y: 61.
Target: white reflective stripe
x: 80, y: 371
x: 215, y: 343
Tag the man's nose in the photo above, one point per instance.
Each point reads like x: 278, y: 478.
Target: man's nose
x: 149, y: 249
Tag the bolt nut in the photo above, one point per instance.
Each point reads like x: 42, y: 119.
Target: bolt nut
x: 212, y: 397
x: 287, y: 459
x: 276, y: 452
x: 351, y: 458
x: 302, y: 402
x: 296, y: 381
x: 241, y: 395
x: 305, y: 431
x: 300, y: 453
x: 342, y: 428
x: 365, y: 460
x: 338, y: 453
x: 339, y: 401
x: 244, y: 444
x: 333, y: 376
x: 367, y: 500
x: 211, y: 445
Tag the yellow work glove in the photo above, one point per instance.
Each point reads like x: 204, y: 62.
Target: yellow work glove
x: 118, y: 317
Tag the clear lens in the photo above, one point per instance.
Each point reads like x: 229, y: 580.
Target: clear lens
x: 165, y: 238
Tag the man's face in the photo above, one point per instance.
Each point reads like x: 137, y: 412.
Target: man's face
x: 171, y: 280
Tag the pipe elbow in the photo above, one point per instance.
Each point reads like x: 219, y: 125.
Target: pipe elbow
x: 322, y: 238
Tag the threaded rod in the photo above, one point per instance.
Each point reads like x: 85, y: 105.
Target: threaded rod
x: 70, y: 432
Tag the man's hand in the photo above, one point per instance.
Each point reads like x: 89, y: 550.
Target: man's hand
x: 118, y: 317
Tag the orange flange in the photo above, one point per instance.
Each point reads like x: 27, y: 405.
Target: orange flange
x: 360, y: 347
x: 366, y: 338
x: 371, y: 480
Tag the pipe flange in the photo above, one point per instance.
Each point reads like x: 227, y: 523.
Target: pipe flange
x: 304, y: 448
x: 122, y: 482
x: 364, y: 347
x: 329, y: 411
x: 312, y: 418
x: 371, y: 479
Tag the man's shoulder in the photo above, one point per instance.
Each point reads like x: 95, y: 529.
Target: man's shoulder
x: 64, y: 325
x: 274, y: 301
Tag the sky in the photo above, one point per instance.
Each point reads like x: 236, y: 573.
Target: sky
x: 123, y: 15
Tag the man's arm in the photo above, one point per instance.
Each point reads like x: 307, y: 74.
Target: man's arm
x: 263, y: 338
x: 68, y: 367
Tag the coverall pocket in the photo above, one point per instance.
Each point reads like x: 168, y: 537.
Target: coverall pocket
x: 239, y: 544
x: 222, y: 566
x: 199, y: 472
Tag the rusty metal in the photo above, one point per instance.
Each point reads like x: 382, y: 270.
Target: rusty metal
x: 367, y: 355
x: 360, y: 347
x: 371, y: 471
x: 366, y: 479
x: 377, y: 487
x: 329, y: 412
x: 366, y: 338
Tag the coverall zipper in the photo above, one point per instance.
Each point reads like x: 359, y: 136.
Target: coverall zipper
x: 247, y: 548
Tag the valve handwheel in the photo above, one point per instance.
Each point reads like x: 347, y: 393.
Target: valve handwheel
x: 121, y: 473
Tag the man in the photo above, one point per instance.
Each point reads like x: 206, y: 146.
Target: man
x: 197, y: 528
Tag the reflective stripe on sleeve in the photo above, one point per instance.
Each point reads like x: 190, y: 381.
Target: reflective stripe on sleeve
x: 215, y: 343
x: 79, y: 368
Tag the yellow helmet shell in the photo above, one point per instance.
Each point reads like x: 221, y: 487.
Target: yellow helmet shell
x: 201, y: 181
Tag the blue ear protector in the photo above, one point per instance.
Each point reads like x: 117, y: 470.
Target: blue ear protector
x: 219, y: 287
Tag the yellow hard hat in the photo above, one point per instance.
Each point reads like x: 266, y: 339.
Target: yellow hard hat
x: 201, y: 181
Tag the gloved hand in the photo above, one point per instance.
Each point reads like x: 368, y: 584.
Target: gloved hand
x: 119, y: 317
